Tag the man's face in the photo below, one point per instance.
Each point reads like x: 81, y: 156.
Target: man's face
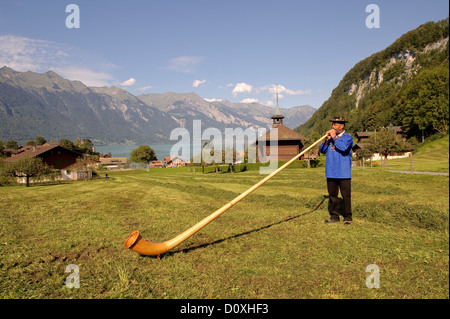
x: 338, y: 127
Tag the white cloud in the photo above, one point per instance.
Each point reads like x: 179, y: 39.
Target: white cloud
x: 25, y: 54
x: 128, y: 82
x: 249, y: 100
x: 88, y: 77
x: 145, y: 88
x: 242, y: 88
x: 185, y: 64
x: 196, y: 83
x: 274, y: 88
x: 212, y: 100
x: 298, y: 92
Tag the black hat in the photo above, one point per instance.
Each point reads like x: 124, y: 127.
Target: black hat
x: 339, y: 119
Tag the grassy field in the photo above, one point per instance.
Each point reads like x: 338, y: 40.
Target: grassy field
x: 432, y: 157
x: 273, y: 244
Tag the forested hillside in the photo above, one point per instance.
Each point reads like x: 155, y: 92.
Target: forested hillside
x: 406, y: 84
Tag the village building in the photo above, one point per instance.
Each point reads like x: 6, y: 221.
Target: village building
x: 111, y: 163
x: 56, y: 156
x: 156, y: 164
x: 174, y: 161
x: 289, y: 143
x: 52, y: 154
x: 364, y: 138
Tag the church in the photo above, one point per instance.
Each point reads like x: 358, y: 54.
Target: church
x: 289, y: 142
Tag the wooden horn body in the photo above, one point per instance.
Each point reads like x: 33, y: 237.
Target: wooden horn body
x: 144, y: 247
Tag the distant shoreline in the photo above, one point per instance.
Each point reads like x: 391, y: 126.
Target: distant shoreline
x: 161, y: 150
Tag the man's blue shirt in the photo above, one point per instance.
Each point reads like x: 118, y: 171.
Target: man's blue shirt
x: 339, y: 156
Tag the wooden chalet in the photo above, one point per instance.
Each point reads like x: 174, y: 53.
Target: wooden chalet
x: 156, y: 164
x: 52, y: 154
x: 56, y: 156
x: 112, y: 162
x: 289, y: 142
x: 363, y: 141
x: 363, y: 137
x: 173, y: 161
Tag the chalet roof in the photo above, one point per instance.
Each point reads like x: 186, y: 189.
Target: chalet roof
x: 36, y: 151
x: 11, y: 151
x: 284, y: 134
x: 112, y: 160
x: 361, y: 145
x: 172, y: 158
x: 363, y: 134
x: 156, y: 164
x: 397, y: 129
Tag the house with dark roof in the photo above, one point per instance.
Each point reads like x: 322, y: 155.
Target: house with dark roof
x: 156, y: 164
x: 173, y: 161
x: 52, y: 154
x: 56, y: 156
x: 112, y: 162
x: 289, y: 143
x: 363, y: 142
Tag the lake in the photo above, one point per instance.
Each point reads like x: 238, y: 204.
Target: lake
x: 161, y: 150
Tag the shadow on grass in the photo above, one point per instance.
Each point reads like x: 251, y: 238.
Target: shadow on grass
x: 189, y: 249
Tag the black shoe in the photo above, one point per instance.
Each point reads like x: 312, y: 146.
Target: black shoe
x: 329, y: 221
x: 347, y: 222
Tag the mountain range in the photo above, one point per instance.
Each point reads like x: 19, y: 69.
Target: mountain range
x: 46, y: 104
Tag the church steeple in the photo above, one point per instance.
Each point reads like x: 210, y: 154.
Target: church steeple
x: 277, y: 117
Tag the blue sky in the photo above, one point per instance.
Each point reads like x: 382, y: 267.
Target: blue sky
x: 224, y: 50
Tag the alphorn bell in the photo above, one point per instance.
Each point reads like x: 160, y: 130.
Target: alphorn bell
x: 144, y: 247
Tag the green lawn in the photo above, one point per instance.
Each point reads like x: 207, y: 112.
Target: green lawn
x: 272, y: 244
x: 432, y: 157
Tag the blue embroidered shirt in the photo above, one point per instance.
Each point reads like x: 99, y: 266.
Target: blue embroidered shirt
x: 339, y: 156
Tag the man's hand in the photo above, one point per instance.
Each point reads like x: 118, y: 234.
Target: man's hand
x: 331, y: 133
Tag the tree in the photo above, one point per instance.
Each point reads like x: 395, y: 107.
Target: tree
x: 143, y: 154
x: 32, y: 167
x: 67, y: 144
x: 12, y: 145
x: 425, y: 103
x: 2, y: 147
x: 386, y: 142
x: 365, y: 153
x: 85, y: 164
x: 83, y: 148
x: 40, y: 140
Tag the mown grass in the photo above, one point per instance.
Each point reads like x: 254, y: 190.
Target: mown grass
x: 273, y: 244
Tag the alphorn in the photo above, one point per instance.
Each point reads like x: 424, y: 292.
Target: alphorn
x: 145, y: 247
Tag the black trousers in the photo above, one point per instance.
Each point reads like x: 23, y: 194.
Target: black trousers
x: 345, y: 186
